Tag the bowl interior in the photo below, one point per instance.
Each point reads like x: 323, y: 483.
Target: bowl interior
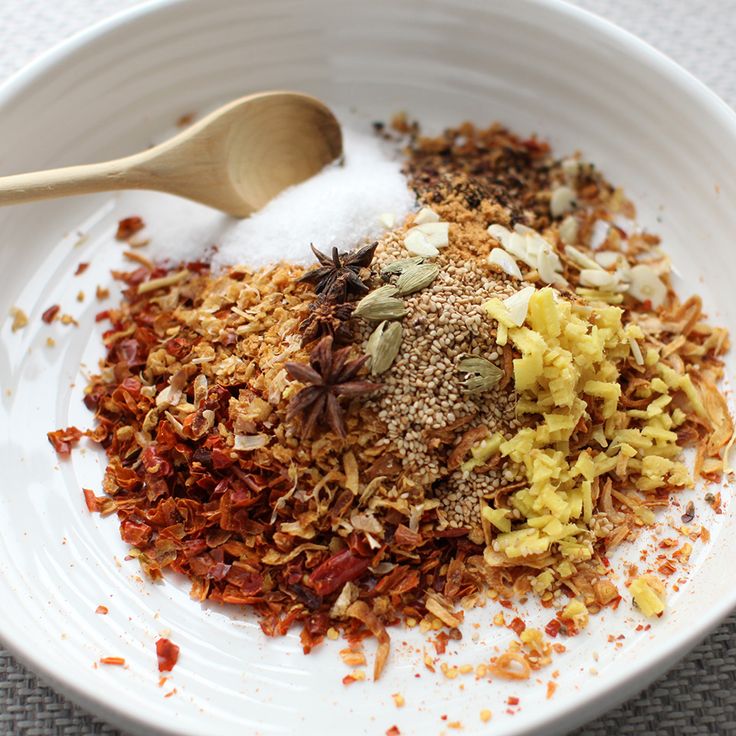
x: 538, y: 67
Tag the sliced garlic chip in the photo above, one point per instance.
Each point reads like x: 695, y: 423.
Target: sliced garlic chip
x: 518, y: 305
x: 426, y: 215
x: 437, y: 233
x: 561, y: 201
x: 417, y: 243
x: 580, y: 259
x: 644, y: 284
x: 505, y: 262
x: 500, y: 233
x: 598, y: 278
x: 569, y: 230
x: 607, y: 258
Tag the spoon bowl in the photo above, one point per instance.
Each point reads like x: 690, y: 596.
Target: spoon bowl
x: 235, y: 159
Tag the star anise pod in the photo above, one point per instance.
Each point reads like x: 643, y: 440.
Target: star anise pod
x: 327, y: 318
x: 338, y: 277
x: 328, y: 376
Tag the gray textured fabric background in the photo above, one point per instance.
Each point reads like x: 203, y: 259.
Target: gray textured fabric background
x: 698, y: 696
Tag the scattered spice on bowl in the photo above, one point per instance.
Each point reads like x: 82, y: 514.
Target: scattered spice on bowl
x: 167, y: 654
x: 483, y: 402
x: 129, y: 226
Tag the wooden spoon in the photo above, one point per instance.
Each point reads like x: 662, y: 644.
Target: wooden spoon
x: 236, y: 159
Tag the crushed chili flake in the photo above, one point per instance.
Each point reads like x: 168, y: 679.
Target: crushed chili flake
x: 50, y: 314
x: 114, y: 661
x: 551, y: 687
x: 512, y: 700
x: 129, y: 226
x: 440, y: 642
x: 393, y: 731
x: 517, y: 626
x: 63, y: 440
x: 102, y: 610
x: 91, y: 500
x: 167, y: 654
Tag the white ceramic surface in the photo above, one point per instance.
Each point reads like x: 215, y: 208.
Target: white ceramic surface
x: 536, y: 65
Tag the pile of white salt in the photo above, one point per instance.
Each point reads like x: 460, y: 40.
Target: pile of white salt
x: 343, y: 206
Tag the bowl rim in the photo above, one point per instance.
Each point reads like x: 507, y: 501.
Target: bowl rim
x: 612, y: 690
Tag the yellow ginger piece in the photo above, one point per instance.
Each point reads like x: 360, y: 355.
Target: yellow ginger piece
x: 481, y: 453
x: 542, y: 581
x: 682, y: 382
x: 577, y: 612
x: 648, y: 594
x: 497, y: 517
x: 569, y: 357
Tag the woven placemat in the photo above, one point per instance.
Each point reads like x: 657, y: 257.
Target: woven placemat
x: 696, y: 697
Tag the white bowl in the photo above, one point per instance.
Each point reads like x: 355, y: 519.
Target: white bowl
x: 538, y: 66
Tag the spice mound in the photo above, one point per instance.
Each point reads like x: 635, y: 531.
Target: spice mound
x: 483, y: 403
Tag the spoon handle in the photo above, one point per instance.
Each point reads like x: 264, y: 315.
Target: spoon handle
x: 86, y: 179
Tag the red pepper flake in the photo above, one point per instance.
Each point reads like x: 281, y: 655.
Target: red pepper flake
x: 505, y: 602
x: 49, y: 315
x: 551, y: 687
x: 102, y: 610
x: 440, y: 642
x: 348, y: 680
x: 169, y: 694
x: 667, y: 568
x: 91, y: 500
x: 63, y: 440
x: 513, y: 700
x: 393, y: 731
x: 553, y: 628
x: 81, y: 268
x: 517, y: 626
x: 337, y: 570
x: 129, y: 226
x: 116, y: 661
x: 168, y: 655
